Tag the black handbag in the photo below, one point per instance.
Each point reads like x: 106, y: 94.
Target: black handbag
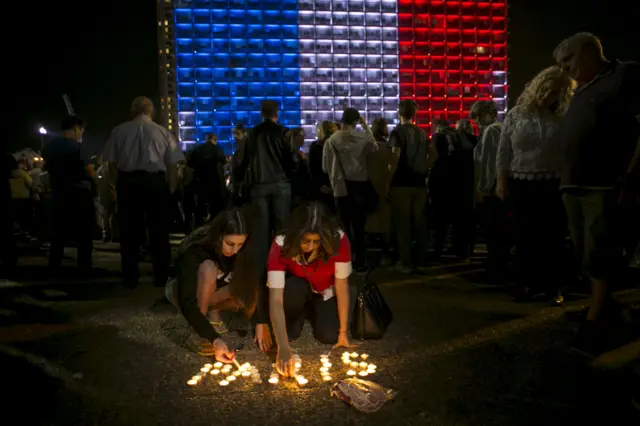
x: 359, y: 190
x: 371, y: 315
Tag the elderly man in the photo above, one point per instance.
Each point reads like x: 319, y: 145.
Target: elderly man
x: 600, y: 171
x: 143, y: 157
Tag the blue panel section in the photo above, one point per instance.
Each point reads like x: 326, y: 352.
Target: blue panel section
x: 231, y: 55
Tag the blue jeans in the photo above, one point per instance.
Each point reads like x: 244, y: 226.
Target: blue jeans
x: 272, y: 202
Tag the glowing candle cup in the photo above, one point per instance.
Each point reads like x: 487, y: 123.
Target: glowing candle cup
x: 351, y: 373
x: 273, y: 380
x: 214, y: 372
x: 326, y: 378
x: 354, y: 355
x: 363, y: 365
x: 192, y: 382
x: 223, y: 383
x: 217, y: 365
x: 246, y: 373
x: 363, y: 373
x: 354, y: 365
x: 231, y: 378
x: 364, y: 356
x: 208, y: 366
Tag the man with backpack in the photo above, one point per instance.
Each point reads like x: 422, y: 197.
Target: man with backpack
x: 413, y: 156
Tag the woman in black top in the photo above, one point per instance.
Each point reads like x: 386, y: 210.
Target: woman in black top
x: 205, y: 284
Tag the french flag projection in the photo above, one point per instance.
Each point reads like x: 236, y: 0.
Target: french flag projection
x: 317, y: 56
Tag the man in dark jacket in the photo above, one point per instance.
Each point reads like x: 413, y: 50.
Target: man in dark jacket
x: 265, y: 166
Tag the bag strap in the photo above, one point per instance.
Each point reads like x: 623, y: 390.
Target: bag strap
x: 335, y: 153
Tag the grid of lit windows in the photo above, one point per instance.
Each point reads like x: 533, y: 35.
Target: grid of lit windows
x: 316, y: 56
x: 348, y: 57
x: 452, y: 54
x: 230, y: 56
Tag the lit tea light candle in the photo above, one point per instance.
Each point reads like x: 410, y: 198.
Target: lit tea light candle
x: 364, y: 356
x: 217, y: 365
x: 351, y: 373
x: 324, y: 369
x: 372, y: 367
x: 354, y: 355
x: 363, y: 364
x: 192, y: 382
x: 345, y: 354
x: 246, y: 373
x: 273, y: 380
x: 301, y: 380
x: 298, y: 365
x: 327, y: 364
x: 214, y: 372
x: 326, y: 378
x: 354, y: 365
x: 208, y: 366
x: 223, y: 383
x: 204, y: 369
x: 324, y: 373
x: 346, y: 361
x: 363, y: 373
x: 245, y: 366
x: 196, y: 377
x: 237, y: 373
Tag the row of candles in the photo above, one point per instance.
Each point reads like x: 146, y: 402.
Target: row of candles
x: 352, y: 360
x: 355, y: 361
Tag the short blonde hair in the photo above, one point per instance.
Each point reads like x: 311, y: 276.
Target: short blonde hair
x: 575, y: 44
x: 529, y: 97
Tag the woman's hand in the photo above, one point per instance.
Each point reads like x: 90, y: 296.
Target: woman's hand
x: 285, y: 364
x: 263, y: 337
x: 343, y: 341
x: 502, y: 189
x: 222, y: 352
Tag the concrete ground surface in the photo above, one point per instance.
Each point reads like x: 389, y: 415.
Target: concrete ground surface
x: 459, y: 352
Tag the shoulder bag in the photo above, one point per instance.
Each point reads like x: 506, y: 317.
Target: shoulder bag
x: 371, y: 315
x: 358, y: 190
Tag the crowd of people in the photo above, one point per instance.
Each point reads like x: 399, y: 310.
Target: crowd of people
x: 564, y: 163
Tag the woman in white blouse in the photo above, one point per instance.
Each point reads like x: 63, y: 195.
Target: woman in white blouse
x: 528, y: 164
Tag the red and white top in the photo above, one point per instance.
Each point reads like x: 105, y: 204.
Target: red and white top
x: 320, y: 274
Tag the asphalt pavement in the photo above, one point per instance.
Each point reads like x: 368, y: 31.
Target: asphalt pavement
x: 459, y: 352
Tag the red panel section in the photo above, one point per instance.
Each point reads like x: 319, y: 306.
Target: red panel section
x: 452, y: 54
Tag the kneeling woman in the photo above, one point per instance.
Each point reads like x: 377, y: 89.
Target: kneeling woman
x: 205, y: 283
x: 308, y: 271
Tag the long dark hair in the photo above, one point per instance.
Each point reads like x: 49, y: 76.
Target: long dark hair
x: 312, y: 218
x: 232, y: 221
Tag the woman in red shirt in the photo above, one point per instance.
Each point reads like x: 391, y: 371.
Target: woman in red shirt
x: 308, y: 272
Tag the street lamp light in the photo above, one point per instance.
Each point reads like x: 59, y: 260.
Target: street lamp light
x: 42, y: 131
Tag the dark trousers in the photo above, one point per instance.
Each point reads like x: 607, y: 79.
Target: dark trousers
x: 495, y: 223
x: 272, y: 203
x: 541, y: 231
x: 301, y: 302
x: 143, y: 195
x: 353, y: 217
x: 408, y: 205
x: 209, y: 202
x: 73, y: 218
x: 452, y: 207
x: 8, y: 255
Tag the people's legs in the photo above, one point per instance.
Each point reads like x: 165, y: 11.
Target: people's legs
x: 358, y: 223
x: 402, y: 215
x: 326, y: 324
x: 344, y: 214
x: 418, y: 222
x: 156, y: 211
x: 494, y: 214
x: 59, y: 232
x: 261, y: 231
x: 441, y: 219
x: 524, y: 198
x: 131, y: 220
x: 280, y: 205
x: 84, y: 212
x: 297, y: 293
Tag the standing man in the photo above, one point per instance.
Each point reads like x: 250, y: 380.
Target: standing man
x: 72, y: 196
x: 600, y: 173
x: 206, y: 164
x: 143, y: 157
x: 413, y: 156
x: 265, y: 166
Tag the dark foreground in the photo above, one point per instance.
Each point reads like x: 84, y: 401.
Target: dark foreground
x: 458, y: 353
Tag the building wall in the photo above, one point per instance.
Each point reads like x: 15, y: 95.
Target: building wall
x: 316, y: 56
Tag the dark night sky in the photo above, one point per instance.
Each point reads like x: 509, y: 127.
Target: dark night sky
x: 103, y: 54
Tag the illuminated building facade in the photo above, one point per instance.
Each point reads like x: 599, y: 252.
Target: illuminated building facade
x: 221, y: 58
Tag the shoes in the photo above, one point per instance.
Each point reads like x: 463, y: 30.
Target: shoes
x: 200, y: 346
